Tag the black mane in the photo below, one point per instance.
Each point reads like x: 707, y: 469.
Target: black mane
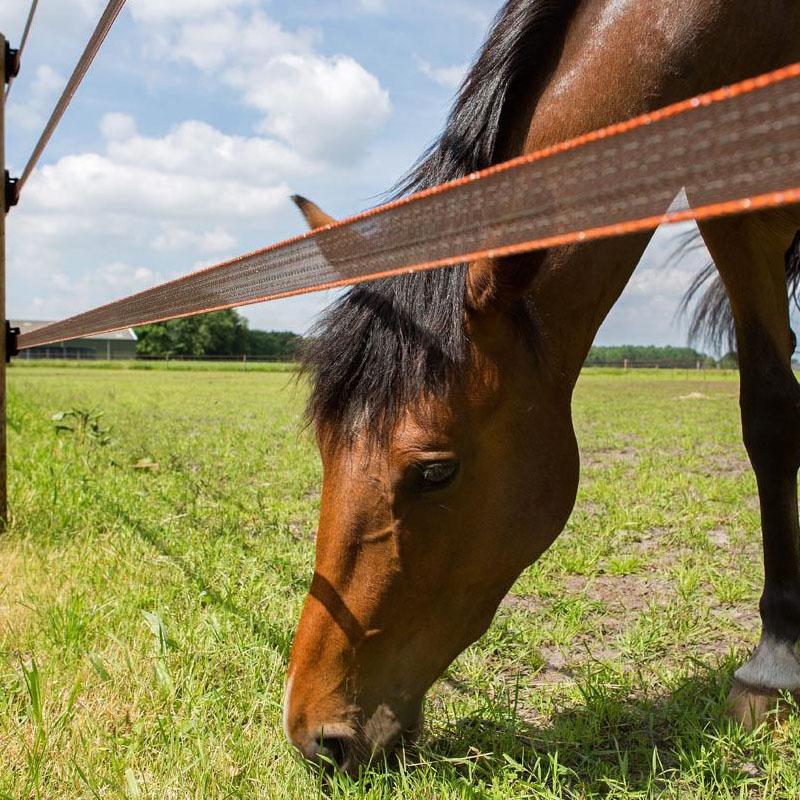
x: 384, y: 343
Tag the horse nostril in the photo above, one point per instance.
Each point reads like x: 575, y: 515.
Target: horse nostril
x: 334, y: 750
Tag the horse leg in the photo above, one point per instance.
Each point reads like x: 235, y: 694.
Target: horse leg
x: 749, y: 254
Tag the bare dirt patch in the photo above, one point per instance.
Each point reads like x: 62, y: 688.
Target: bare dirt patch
x: 604, y: 457
x: 719, y: 537
x: 625, y: 593
x: 555, y: 670
x: 730, y: 464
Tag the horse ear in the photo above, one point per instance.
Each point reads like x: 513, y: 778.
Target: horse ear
x: 498, y: 282
x: 315, y: 216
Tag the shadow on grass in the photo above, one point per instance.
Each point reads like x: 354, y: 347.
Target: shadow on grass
x: 275, y: 636
x: 615, y: 739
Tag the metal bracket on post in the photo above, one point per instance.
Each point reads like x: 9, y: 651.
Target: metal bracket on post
x: 10, y: 188
x: 11, y: 191
x: 11, y: 341
x: 9, y: 66
x: 12, y: 63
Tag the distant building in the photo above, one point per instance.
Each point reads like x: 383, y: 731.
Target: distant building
x: 104, y: 346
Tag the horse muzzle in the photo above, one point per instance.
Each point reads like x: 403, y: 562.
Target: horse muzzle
x: 345, y: 746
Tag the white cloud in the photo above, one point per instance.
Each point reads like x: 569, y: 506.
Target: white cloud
x: 118, y: 127
x: 291, y: 313
x: 192, y: 173
x: 90, y: 288
x: 13, y: 14
x: 125, y: 277
x: 449, y: 77
x: 93, y: 183
x: 48, y: 81
x: 50, y: 269
x: 31, y: 111
x: 646, y: 311
x: 321, y: 107
x: 373, y: 6
x: 84, y: 218
x: 227, y: 39
x: 156, y: 11
x: 201, y: 149
x: 192, y: 193
x: 326, y: 108
x: 176, y: 238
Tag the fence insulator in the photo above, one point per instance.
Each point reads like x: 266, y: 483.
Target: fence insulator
x: 11, y: 191
x: 12, y: 63
x: 11, y: 341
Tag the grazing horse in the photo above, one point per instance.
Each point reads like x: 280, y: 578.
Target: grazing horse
x: 441, y: 400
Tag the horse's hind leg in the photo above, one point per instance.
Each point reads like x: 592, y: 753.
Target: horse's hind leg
x: 749, y: 254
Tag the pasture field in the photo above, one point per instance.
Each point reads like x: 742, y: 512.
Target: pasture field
x: 153, y: 574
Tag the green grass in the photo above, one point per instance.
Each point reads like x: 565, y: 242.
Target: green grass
x: 172, y: 365
x: 149, y: 588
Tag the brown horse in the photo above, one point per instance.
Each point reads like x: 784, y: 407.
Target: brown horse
x: 441, y: 400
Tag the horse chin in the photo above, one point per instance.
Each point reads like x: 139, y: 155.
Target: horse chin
x: 385, y: 735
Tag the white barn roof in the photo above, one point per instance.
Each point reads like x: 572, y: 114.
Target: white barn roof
x: 125, y: 335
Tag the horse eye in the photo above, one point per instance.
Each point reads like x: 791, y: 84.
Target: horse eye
x: 439, y: 474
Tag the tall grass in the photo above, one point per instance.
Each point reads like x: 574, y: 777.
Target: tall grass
x: 150, y: 585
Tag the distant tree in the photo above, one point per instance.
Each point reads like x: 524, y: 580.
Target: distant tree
x: 650, y: 354
x: 274, y: 344
x: 219, y: 333
x: 154, y: 340
x: 730, y: 360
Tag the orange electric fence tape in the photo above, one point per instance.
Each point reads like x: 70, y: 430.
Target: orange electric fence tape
x: 733, y: 150
x: 93, y: 46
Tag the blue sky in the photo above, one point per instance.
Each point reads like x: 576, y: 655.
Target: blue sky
x: 201, y: 117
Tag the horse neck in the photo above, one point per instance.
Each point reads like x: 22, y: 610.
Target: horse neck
x: 573, y: 292
x: 621, y: 58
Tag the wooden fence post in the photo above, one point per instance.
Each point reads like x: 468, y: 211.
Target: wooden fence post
x: 3, y: 471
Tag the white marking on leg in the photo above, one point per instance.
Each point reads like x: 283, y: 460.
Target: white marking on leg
x: 774, y: 665
x: 286, y: 701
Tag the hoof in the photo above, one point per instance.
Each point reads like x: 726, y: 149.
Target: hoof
x: 751, y: 707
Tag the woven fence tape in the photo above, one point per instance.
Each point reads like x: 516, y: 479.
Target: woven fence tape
x: 734, y: 150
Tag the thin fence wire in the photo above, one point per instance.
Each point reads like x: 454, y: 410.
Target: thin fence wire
x: 23, y: 42
x: 733, y: 150
x: 96, y: 40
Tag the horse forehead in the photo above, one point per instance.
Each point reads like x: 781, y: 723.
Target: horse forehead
x: 429, y: 424
x: 356, y: 481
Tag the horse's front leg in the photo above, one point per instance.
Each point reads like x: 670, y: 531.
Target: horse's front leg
x: 749, y: 253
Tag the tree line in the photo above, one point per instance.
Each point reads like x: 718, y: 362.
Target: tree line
x: 226, y: 333
x: 219, y: 333
x: 652, y: 355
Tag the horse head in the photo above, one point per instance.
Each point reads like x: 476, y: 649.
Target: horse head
x: 441, y: 483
